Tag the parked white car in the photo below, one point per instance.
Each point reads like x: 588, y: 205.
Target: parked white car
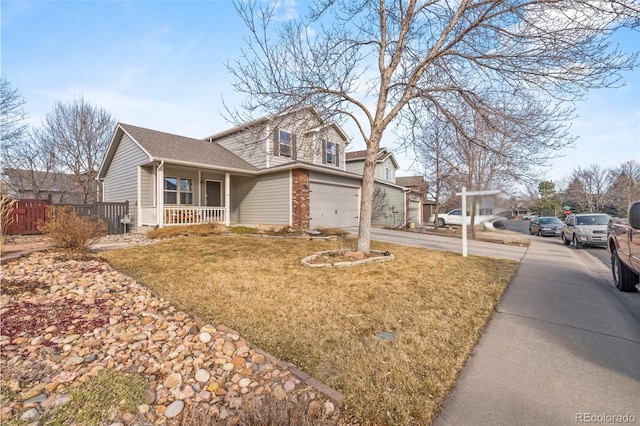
x: 454, y: 217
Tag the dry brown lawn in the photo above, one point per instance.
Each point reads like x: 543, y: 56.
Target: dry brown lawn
x: 325, y: 320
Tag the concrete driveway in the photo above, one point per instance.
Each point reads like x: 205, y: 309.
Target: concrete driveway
x: 437, y: 242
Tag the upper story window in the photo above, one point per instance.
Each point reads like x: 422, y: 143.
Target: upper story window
x: 285, y: 140
x: 178, y: 190
x: 331, y: 157
x: 388, y: 174
x: 330, y: 153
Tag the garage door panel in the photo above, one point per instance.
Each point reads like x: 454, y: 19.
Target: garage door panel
x: 333, y: 205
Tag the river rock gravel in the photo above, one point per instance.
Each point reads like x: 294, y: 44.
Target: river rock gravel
x: 66, y: 317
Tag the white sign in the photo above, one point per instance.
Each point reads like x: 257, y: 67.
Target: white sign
x: 464, y: 195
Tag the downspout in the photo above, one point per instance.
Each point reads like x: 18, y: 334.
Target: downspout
x: 227, y: 199
x: 100, y: 183
x: 159, y: 195
x: 406, y: 207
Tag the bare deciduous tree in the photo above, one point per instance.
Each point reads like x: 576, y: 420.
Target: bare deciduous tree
x: 430, y: 140
x: 78, y: 135
x: 588, y: 190
x: 30, y: 168
x: 13, y: 120
x: 380, y: 203
x: 366, y: 61
x: 625, y: 187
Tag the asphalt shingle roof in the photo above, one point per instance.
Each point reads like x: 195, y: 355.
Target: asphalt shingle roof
x: 361, y: 155
x: 166, y: 146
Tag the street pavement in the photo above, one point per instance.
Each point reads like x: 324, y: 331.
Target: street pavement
x: 563, y: 348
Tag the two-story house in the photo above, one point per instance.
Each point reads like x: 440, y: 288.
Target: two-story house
x: 394, y: 203
x: 288, y: 169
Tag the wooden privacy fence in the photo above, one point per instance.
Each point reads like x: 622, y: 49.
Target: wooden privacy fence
x: 111, y: 213
x: 28, y: 213
x: 26, y: 216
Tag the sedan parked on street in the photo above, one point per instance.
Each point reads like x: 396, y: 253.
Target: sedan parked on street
x: 545, y: 226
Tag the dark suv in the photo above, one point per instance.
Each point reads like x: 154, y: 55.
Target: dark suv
x: 585, y: 229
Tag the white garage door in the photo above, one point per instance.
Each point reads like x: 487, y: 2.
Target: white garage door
x: 415, y: 211
x: 333, y: 206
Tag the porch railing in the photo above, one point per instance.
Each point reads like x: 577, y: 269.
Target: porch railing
x: 192, y: 215
x: 183, y: 215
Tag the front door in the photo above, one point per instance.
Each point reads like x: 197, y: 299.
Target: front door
x: 214, y: 193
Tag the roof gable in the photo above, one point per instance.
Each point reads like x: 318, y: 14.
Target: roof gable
x: 161, y: 146
x: 277, y: 119
x: 382, y: 155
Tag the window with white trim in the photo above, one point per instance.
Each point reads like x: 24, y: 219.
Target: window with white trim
x: 331, y: 148
x: 285, y: 140
x: 178, y: 191
x: 388, y: 174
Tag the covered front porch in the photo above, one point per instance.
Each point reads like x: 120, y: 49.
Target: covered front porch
x: 175, y: 195
x: 184, y: 215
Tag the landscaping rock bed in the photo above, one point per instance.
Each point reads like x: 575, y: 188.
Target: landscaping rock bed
x: 65, y: 318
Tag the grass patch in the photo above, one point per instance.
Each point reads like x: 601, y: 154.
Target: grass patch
x: 325, y: 320
x: 103, y: 397
x: 213, y: 228
x: 239, y: 230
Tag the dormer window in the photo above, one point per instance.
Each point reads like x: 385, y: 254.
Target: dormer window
x: 285, y: 140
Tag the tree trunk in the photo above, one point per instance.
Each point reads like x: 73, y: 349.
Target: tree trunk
x: 366, y: 198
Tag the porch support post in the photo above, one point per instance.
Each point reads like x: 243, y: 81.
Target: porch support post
x: 160, y: 194
x: 227, y: 198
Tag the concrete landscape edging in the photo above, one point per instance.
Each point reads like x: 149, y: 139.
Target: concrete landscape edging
x: 377, y: 256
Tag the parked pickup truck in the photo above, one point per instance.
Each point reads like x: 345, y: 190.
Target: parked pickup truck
x: 454, y: 217
x: 624, y: 246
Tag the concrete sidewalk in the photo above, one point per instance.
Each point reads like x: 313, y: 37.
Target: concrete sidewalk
x: 563, y: 348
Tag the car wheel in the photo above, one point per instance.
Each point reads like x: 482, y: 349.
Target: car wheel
x: 441, y: 222
x: 623, y: 277
x: 564, y: 240
x: 576, y: 243
x: 530, y: 231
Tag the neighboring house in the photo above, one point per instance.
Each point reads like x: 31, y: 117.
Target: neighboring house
x: 402, y: 203
x: 59, y: 188
x: 287, y: 170
x: 416, y: 198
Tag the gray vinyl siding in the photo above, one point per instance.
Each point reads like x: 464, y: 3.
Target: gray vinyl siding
x: 330, y: 135
x: 147, y: 186
x: 395, y: 200
x: 380, y: 170
x: 261, y: 200
x: 251, y: 145
x: 121, y: 180
x: 256, y: 145
x: 338, y: 180
x: 356, y: 167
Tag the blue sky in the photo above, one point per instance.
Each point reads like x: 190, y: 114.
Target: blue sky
x: 161, y: 65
